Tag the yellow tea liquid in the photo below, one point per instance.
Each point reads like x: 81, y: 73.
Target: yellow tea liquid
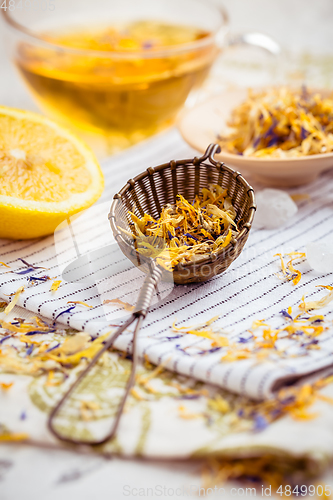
x: 126, y: 91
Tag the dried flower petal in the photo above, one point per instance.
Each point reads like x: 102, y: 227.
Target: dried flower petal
x: 78, y: 302
x: 14, y: 300
x: 288, y: 271
x: 318, y: 304
x: 55, y: 285
x: 118, y: 302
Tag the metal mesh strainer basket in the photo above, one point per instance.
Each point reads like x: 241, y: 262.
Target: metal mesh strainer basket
x: 151, y: 190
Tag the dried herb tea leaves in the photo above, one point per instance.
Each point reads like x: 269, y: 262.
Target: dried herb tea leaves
x: 189, y: 231
x: 281, y: 123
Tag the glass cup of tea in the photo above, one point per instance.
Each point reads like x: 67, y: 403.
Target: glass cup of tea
x: 116, y: 72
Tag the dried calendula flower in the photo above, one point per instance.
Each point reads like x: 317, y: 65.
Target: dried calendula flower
x: 5, y: 386
x: 14, y: 300
x: 120, y: 303
x: 187, y: 231
x: 219, y: 404
x: 289, y: 273
x: 79, y: 302
x: 185, y: 414
x: 88, y: 410
x: 281, y: 123
x: 318, y: 304
x: 55, y: 285
x: 10, y: 436
x: 217, y: 335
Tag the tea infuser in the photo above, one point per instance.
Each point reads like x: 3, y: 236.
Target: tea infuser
x: 148, y: 193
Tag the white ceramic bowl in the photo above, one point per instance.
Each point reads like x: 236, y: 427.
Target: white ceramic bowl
x: 201, y: 125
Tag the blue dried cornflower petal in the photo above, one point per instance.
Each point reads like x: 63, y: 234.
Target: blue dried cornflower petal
x: 260, y: 423
x: 45, y: 323
x: 304, y: 133
x: 254, y: 479
x: 287, y: 401
x: 190, y: 396
x: 30, y: 265
x: 214, y: 349
x: 64, y: 312
x: 38, y: 332
x: 311, y: 342
x: 270, y: 130
x: 147, y: 45
x: 27, y: 271
x: 274, y: 140
x: 276, y: 412
x: 177, y: 346
x: 286, y: 314
x: 5, y: 338
x: 191, y: 236
x: 243, y: 340
x: 23, y: 415
x: 29, y: 350
x: 52, y: 348
x: 170, y: 235
x: 209, y: 351
x: 35, y: 278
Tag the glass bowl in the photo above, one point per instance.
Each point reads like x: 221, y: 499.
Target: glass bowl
x: 113, y: 98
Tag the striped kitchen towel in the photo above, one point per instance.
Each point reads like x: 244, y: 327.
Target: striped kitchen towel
x: 84, y: 256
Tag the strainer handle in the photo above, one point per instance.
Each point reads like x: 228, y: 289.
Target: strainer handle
x: 148, y: 289
x: 140, y: 312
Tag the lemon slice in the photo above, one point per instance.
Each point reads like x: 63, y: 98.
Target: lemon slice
x: 47, y: 174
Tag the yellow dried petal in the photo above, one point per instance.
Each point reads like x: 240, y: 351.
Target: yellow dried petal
x: 55, y: 285
x: 79, y: 302
x: 118, y: 302
x: 14, y: 300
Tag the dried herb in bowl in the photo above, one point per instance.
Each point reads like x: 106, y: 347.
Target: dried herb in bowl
x: 189, y: 230
x: 281, y: 123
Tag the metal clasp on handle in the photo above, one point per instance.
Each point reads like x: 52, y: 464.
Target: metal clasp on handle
x: 210, y: 152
